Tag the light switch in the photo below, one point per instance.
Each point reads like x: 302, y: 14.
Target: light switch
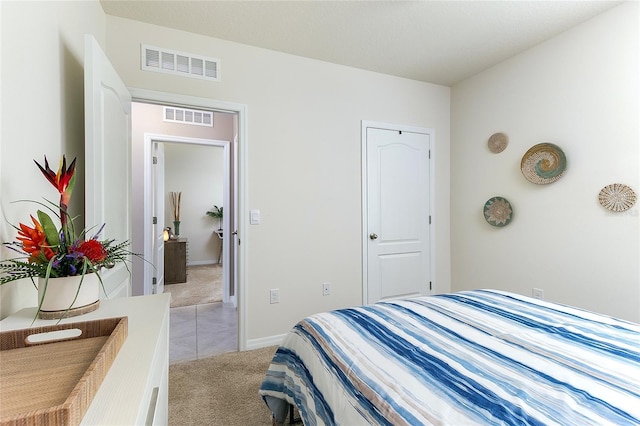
x: 254, y: 217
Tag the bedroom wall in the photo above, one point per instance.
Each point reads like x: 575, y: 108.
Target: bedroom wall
x: 42, y: 51
x: 580, y: 91
x: 304, y: 151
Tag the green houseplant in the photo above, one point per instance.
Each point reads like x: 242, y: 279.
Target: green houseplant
x: 216, y: 212
x: 49, y: 252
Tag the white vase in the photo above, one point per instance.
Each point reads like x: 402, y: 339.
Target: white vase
x: 60, y: 294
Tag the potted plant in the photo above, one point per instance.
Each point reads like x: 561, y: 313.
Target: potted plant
x: 66, y: 264
x: 217, y: 213
x: 176, y: 199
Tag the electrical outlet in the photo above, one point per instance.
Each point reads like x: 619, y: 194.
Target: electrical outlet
x: 538, y: 293
x: 274, y: 295
x: 326, y: 289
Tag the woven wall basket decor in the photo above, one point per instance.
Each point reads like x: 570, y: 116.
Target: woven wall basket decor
x: 543, y: 163
x: 497, y: 142
x: 498, y: 211
x: 617, y: 197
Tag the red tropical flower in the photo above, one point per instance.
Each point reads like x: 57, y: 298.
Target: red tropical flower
x: 34, y: 242
x: 63, y: 181
x: 92, y: 250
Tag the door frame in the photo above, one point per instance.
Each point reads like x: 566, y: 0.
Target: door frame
x: 365, y: 124
x: 149, y: 139
x: 152, y: 96
x: 152, y: 203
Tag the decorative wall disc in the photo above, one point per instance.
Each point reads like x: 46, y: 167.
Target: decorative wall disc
x: 543, y: 163
x: 498, y: 142
x: 617, y: 197
x: 498, y: 211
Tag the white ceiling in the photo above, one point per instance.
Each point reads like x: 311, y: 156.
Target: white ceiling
x: 440, y: 42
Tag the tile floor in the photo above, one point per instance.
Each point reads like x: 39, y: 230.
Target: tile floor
x: 200, y: 331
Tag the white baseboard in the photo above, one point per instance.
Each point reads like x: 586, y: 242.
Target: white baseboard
x: 263, y: 342
x: 202, y: 262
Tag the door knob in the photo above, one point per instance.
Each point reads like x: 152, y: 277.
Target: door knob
x: 373, y: 236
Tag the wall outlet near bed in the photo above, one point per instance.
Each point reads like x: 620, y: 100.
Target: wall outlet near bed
x: 538, y: 293
x: 326, y: 289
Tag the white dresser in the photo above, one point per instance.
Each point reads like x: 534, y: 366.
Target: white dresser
x: 135, y: 390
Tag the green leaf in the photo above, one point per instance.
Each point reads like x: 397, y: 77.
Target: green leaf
x: 215, y: 212
x: 50, y: 230
x: 71, y: 185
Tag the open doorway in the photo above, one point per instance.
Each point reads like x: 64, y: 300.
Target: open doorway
x: 195, y: 158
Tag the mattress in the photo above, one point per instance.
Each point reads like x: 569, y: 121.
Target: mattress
x: 473, y: 357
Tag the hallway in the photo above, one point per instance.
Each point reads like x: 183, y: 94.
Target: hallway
x: 200, y: 331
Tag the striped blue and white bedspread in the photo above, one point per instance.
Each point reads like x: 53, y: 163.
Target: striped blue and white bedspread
x: 474, y: 357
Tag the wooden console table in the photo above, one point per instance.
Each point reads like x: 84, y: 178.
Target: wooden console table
x: 175, y: 261
x: 219, y: 234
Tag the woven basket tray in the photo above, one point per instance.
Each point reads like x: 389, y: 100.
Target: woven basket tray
x: 52, y: 382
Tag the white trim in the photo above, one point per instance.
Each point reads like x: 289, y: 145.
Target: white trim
x: 365, y: 226
x: 149, y: 139
x: 432, y: 209
x: 263, y: 342
x: 202, y: 262
x: 143, y: 95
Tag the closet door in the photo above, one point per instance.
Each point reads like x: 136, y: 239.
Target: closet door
x: 397, y: 234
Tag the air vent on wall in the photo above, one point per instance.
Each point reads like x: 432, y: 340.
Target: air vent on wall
x: 179, y: 63
x: 188, y: 116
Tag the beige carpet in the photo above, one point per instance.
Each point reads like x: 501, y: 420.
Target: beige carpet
x: 221, y: 390
x: 204, y: 285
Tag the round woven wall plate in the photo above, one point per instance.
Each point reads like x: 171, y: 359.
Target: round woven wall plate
x: 498, y: 142
x: 543, y: 163
x: 498, y: 211
x: 617, y: 197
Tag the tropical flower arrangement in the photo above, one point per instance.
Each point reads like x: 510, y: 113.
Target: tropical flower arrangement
x: 48, y: 251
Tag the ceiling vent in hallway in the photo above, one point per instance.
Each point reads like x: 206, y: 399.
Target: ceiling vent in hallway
x: 188, y: 116
x: 180, y: 63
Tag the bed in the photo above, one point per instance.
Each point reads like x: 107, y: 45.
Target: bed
x: 472, y: 357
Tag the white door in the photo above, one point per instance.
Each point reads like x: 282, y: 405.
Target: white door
x: 107, y: 158
x: 397, y: 223
x: 157, y: 171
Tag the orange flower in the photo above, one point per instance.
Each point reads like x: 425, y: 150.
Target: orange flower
x: 34, y: 242
x: 92, y: 250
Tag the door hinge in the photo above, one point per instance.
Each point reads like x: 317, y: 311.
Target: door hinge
x: 154, y: 285
x: 155, y: 160
x: 429, y: 154
x: 429, y: 219
x: 430, y: 286
x: 155, y: 220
